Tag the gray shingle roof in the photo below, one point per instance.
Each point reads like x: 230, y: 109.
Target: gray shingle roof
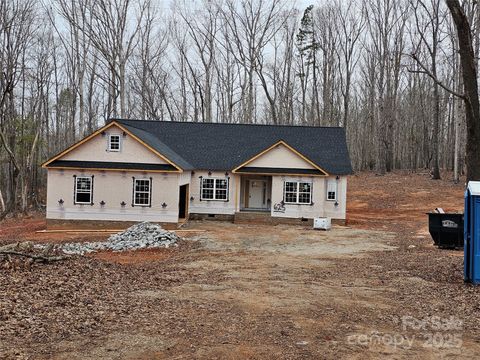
x: 151, y: 139
x: 218, y: 146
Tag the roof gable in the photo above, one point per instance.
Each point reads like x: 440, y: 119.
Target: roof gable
x: 280, y: 155
x: 93, y: 148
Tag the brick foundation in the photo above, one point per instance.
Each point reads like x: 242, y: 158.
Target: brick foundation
x: 275, y: 221
x: 62, y: 224
x: 215, y: 217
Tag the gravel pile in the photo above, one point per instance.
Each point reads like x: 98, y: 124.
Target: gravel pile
x: 139, y: 236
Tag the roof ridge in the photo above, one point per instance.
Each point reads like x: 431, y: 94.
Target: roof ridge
x: 222, y: 123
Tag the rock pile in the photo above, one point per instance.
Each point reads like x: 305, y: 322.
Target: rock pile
x: 139, y: 236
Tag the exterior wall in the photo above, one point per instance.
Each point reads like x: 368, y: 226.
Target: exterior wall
x: 113, y: 187
x: 198, y: 206
x: 96, y: 149
x: 280, y: 157
x: 320, y: 208
x: 339, y: 211
x: 184, y: 178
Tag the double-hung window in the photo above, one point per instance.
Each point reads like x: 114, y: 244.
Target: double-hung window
x: 114, y: 143
x: 83, y: 189
x: 296, y: 192
x: 332, y: 190
x: 142, y: 192
x: 214, y: 189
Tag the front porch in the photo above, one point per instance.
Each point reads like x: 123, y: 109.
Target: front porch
x: 256, y: 202
x: 255, y: 194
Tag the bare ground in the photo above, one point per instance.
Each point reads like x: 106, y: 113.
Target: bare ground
x: 256, y: 291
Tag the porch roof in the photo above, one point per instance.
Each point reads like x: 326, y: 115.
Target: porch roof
x: 277, y: 171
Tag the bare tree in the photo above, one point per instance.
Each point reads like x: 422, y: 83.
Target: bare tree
x: 386, y: 23
x: 114, y: 38
x: 77, y: 46
x: 470, y: 84
x: 16, y: 28
x: 252, y: 24
x: 352, y: 23
x: 428, y: 22
x: 149, y: 78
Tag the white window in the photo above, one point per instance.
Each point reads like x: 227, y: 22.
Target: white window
x: 332, y: 190
x: 114, y: 142
x: 83, y: 189
x: 297, y: 192
x: 214, y: 189
x: 142, y: 191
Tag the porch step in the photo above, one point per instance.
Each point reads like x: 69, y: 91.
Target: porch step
x: 261, y: 217
x: 255, y: 217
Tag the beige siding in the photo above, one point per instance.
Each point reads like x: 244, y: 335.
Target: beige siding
x: 96, y: 149
x: 212, y: 206
x: 184, y: 178
x: 113, y: 188
x: 320, y: 208
x: 280, y: 157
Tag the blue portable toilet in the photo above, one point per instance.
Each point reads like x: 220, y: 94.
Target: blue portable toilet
x: 472, y: 233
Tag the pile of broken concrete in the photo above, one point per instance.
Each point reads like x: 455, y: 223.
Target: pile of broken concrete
x: 139, y: 236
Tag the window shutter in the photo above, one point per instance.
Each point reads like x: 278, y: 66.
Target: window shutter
x: 91, y: 191
x: 74, y: 189
x: 133, y: 191
x: 311, y: 193
x: 201, y: 187
x: 150, y: 200
x: 228, y: 189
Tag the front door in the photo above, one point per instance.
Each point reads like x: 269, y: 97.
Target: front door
x: 183, y: 202
x: 257, y: 192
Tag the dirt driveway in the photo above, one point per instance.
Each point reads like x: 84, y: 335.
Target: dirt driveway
x: 251, y: 291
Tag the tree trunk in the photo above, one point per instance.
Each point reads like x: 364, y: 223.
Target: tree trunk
x: 436, y: 129
x: 470, y: 85
x: 457, y: 110
x: 2, y: 202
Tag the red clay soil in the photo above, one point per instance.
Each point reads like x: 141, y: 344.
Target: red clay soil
x: 250, y: 291
x: 18, y: 227
x: 25, y: 229
x: 381, y: 202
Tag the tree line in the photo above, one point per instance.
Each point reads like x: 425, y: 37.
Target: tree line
x: 388, y: 71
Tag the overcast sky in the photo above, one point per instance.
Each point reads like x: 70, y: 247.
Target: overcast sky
x: 299, y: 4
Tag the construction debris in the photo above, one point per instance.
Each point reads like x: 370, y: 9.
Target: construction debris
x: 23, y: 254
x: 139, y: 236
